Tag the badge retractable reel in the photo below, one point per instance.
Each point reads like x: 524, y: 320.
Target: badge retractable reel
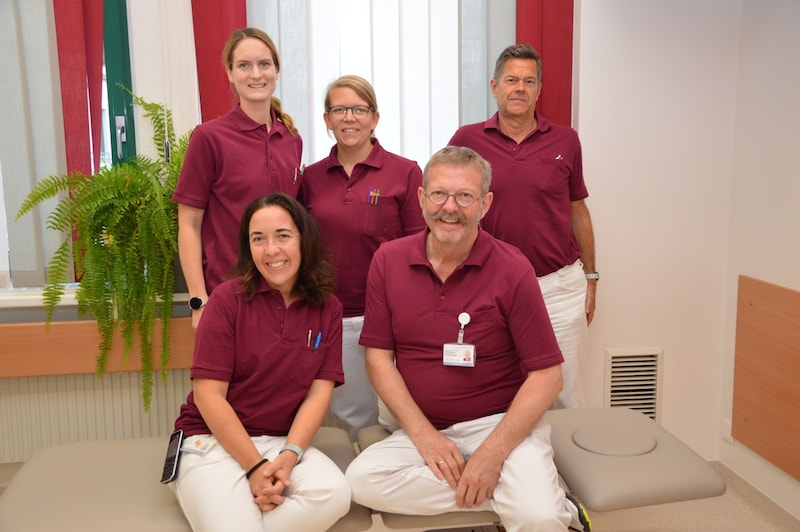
x: 459, y: 353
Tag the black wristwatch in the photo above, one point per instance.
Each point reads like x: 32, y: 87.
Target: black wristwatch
x: 196, y: 303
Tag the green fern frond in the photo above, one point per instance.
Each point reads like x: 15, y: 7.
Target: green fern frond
x: 124, y: 225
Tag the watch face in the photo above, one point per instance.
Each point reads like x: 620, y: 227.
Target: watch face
x: 195, y: 303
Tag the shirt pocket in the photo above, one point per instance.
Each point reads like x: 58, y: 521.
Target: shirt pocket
x: 381, y: 219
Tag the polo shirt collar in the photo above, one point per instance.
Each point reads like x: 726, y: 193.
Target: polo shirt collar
x: 542, y: 123
x: 264, y: 288
x: 481, y: 250
x: 375, y: 159
x: 245, y: 123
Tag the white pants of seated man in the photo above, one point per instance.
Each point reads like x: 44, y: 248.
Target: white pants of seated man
x: 564, y: 293
x: 355, y: 403
x: 391, y: 476
x: 215, y: 495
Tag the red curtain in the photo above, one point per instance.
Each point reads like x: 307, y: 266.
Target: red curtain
x: 213, y: 21
x: 79, y: 35
x: 547, y: 25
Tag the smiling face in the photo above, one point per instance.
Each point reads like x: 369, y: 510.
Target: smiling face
x: 275, y: 248
x: 253, y: 72
x: 517, y: 88
x: 351, y: 132
x: 450, y: 223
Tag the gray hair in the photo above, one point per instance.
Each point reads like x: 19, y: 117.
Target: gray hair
x: 460, y: 156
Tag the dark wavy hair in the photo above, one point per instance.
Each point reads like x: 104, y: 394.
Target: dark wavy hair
x: 315, y: 278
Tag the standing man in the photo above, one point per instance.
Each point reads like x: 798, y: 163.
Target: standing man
x: 460, y: 349
x: 538, y: 185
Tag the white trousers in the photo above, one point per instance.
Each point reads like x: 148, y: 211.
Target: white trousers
x: 564, y: 293
x: 215, y: 495
x: 391, y: 476
x: 354, y: 403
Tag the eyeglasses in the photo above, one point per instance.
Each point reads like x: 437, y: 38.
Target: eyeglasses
x: 340, y: 111
x: 440, y: 197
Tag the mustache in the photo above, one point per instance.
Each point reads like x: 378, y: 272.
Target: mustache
x: 460, y: 218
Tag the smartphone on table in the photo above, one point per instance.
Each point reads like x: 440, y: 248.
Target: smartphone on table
x: 173, y: 457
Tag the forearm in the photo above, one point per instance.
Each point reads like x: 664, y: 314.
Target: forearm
x: 190, y: 249
x: 533, y: 399
x: 226, y: 427
x: 584, y: 235
x: 311, y: 414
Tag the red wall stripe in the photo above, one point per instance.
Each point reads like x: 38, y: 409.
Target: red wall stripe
x: 548, y: 27
x: 79, y: 36
x: 213, y: 21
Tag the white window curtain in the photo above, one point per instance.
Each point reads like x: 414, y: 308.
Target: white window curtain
x: 427, y: 60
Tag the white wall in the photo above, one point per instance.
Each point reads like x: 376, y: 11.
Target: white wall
x: 688, y: 116
x: 765, y: 196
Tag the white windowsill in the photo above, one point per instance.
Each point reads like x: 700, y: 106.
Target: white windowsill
x: 32, y: 298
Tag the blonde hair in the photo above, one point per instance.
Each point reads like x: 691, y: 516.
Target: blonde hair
x: 227, y: 60
x: 357, y: 84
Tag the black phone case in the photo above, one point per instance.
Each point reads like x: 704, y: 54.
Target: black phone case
x: 173, y: 458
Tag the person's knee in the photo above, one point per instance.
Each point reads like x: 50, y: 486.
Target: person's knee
x: 534, y: 517
x: 358, y: 476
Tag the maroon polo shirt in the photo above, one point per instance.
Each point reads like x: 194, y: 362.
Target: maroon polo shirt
x: 231, y: 161
x: 262, y: 349
x: 377, y: 203
x: 410, y: 311
x: 534, y: 185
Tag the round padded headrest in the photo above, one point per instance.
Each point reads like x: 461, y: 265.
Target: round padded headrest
x: 614, y: 440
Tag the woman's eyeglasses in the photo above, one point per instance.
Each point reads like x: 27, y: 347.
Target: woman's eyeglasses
x: 340, y: 111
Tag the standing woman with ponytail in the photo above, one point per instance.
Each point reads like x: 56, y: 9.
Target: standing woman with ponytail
x: 252, y: 151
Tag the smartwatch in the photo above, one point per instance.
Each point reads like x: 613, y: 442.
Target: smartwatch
x: 196, y: 303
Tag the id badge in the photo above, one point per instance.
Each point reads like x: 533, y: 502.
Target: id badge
x: 455, y: 354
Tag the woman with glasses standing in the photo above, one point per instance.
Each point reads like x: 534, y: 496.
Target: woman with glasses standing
x: 362, y: 196
x: 253, y: 150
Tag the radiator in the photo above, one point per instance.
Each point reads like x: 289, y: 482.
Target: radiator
x: 37, y: 412
x: 633, y: 380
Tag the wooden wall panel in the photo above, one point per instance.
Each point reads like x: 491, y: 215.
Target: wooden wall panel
x: 70, y: 348
x: 766, y: 386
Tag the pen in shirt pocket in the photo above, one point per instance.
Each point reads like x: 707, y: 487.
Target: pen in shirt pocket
x: 298, y: 170
x: 373, y: 196
x: 318, y: 340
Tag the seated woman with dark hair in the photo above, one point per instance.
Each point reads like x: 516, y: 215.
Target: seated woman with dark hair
x: 268, y: 353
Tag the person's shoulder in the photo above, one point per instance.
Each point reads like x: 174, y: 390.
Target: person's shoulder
x: 399, y: 245
x: 473, y: 128
x: 556, y: 128
x: 505, y: 253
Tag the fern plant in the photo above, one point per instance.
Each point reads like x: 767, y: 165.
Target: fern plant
x: 120, y: 227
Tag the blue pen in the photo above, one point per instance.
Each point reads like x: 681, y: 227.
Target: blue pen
x: 318, y: 340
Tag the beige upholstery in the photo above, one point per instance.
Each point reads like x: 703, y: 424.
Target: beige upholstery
x: 611, y: 458
x: 614, y: 458
x: 113, y: 486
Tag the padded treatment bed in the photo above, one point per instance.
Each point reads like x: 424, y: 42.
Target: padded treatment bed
x: 113, y: 485
x: 609, y: 458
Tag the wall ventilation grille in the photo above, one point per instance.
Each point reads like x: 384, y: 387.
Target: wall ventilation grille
x: 633, y: 380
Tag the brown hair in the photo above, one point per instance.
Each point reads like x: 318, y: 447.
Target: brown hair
x: 227, y: 60
x: 517, y: 51
x: 315, y: 278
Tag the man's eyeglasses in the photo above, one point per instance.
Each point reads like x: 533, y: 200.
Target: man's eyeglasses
x: 340, y: 111
x: 440, y: 197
